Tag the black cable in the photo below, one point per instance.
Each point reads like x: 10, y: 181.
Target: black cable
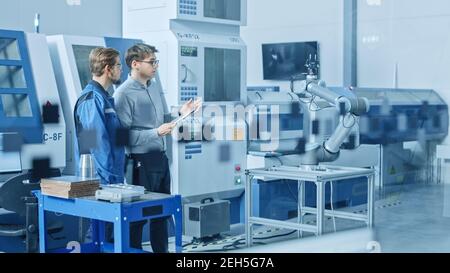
x: 235, y: 244
x: 278, y: 158
x: 313, y: 100
x: 276, y: 236
x: 239, y: 242
x: 307, y: 102
x: 311, y: 103
x: 188, y: 244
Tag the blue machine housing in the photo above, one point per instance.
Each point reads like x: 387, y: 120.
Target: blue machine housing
x: 30, y: 127
x: 384, y: 128
x: 422, y: 109
x: 69, y: 232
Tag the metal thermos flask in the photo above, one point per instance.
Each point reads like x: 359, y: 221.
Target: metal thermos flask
x: 87, y: 166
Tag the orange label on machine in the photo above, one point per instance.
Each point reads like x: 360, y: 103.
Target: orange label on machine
x: 238, y: 134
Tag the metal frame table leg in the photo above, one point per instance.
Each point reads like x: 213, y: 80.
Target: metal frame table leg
x: 370, y: 200
x: 121, y: 242
x: 248, y: 213
x: 320, y: 199
x: 42, y: 227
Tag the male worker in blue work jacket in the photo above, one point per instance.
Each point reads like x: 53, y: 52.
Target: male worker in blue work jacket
x: 142, y: 108
x: 95, y: 111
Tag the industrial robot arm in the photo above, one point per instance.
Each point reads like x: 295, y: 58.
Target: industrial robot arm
x: 349, y: 106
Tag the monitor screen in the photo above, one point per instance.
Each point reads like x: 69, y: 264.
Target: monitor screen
x: 223, y: 9
x: 222, y: 75
x: 286, y: 60
x: 81, y: 54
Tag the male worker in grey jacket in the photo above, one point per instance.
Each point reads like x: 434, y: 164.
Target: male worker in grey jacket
x: 142, y: 108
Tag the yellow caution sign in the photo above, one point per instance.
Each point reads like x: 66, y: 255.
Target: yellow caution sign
x: 392, y: 170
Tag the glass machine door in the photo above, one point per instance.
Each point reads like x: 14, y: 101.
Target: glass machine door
x: 19, y: 108
x: 222, y: 75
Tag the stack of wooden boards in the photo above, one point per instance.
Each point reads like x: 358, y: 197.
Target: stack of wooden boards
x: 69, y: 186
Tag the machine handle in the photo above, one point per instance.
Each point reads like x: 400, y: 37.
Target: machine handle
x: 185, y: 73
x: 210, y: 199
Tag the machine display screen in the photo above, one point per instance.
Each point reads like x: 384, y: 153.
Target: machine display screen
x: 287, y: 122
x: 189, y: 51
x: 81, y: 54
x: 291, y: 122
x: 222, y: 75
x: 287, y: 60
x: 16, y: 105
x: 223, y: 9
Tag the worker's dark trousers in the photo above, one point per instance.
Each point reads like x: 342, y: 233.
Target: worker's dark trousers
x: 151, y: 170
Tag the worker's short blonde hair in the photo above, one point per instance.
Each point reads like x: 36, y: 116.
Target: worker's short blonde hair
x: 100, y: 57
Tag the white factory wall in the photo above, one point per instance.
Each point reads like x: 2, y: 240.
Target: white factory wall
x: 74, y: 17
x: 409, y: 34
x: 295, y: 21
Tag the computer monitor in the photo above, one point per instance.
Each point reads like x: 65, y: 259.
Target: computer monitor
x: 285, y: 61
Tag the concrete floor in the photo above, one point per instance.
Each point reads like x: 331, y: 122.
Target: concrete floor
x: 409, y: 219
x: 417, y: 224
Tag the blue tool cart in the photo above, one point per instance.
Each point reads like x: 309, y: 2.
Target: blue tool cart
x: 150, y: 206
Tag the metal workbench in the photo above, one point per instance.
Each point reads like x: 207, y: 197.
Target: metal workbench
x: 150, y: 206
x: 320, y: 175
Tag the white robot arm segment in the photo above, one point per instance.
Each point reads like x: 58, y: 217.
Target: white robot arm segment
x: 351, y: 106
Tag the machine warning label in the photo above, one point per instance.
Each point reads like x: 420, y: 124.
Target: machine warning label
x: 52, y: 137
